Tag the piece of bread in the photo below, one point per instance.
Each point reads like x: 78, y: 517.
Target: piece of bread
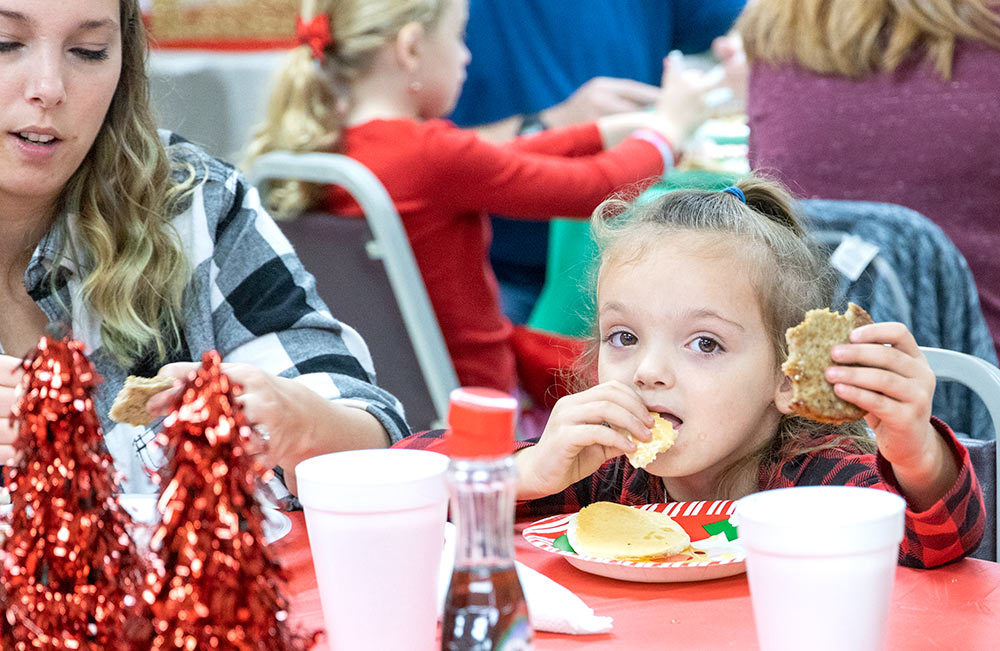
x: 809, y: 345
x: 663, y: 439
x: 130, y: 403
x: 609, y: 530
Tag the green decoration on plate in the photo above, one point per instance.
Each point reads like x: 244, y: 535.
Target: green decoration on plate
x: 562, y: 544
x: 722, y: 526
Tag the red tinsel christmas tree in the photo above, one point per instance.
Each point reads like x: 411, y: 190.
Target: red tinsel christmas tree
x: 71, y: 575
x: 219, y: 588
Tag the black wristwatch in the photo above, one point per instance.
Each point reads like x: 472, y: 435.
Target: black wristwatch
x: 531, y: 123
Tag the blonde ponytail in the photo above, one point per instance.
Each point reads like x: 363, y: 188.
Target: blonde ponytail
x: 302, y: 117
x: 311, y: 96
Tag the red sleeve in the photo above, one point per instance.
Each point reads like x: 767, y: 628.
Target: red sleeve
x: 951, y: 528
x: 432, y: 440
x: 946, y: 532
x: 475, y: 175
x: 568, y: 142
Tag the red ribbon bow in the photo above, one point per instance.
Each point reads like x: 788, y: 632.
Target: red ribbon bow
x: 315, y: 34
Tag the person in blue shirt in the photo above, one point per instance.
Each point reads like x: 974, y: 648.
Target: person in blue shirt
x: 546, y: 64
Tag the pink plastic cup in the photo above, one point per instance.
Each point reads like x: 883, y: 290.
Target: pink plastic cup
x: 376, y: 523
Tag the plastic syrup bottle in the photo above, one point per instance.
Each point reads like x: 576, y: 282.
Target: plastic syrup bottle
x: 485, y: 608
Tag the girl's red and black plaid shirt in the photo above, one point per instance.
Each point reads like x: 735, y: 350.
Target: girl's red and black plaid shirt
x: 949, y: 530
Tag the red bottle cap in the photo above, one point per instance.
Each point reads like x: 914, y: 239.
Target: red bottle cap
x: 480, y: 423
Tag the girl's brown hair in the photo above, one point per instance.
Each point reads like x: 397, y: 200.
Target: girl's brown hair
x: 858, y: 37
x: 310, y: 97
x: 124, y: 195
x: 786, y: 270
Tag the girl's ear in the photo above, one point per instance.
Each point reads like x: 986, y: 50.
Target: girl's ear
x: 409, y: 46
x: 783, y: 395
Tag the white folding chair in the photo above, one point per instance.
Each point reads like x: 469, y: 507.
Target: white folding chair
x: 983, y: 379
x: 390, y: 244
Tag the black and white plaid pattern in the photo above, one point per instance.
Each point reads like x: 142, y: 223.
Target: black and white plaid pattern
x: 249, y: 298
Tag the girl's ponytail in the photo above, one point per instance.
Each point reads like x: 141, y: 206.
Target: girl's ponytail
x: 302, y: 117
x: 340, y: 39
x: 771, y: 199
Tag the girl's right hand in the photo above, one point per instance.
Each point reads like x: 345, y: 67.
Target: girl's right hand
x: 585, y: 430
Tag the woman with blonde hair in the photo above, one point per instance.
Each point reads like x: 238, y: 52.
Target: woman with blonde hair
x: 372, y: 79
x: 885, y: 100
x: 152, y: 253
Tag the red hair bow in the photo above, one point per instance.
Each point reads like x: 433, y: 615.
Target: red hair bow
x: 315, y: 34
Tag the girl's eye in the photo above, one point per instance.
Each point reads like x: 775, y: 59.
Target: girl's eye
x: 8, y: 46
x: 621, y: 338
x: 705, y: 345
x: 91, y: 55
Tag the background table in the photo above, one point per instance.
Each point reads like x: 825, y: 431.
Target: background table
x: 954, y: 607
x: 212, y: 98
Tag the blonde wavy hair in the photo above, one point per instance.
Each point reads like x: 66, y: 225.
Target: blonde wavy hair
x: 856, y: 38
x: 788, y: 274
x: 309, y: 99
x: 124, y: 195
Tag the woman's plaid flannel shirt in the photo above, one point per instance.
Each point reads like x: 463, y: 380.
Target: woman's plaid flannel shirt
x: 248, y: 298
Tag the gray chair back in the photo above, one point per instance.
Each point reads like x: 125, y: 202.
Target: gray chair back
x: 366, y: 273
x: 984, y: 379
x: 917, y: 277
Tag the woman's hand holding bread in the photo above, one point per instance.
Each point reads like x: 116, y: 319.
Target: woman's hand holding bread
x: 293, y: 421
x: 585, y: 430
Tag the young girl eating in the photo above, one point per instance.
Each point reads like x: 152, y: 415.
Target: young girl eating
x: 694, y: 294
x: 372, y: 79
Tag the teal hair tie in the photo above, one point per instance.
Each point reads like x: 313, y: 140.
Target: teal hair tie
x: 736, y: 192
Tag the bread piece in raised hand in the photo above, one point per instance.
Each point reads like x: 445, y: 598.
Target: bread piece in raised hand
x: 809, y: 345
x: 130, y: 403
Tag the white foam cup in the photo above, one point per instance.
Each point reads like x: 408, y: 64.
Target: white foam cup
x: 821, y: 561
x: 376, y: 528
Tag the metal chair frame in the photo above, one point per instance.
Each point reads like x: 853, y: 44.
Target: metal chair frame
x: 390, y: 244
x: 981, y: 377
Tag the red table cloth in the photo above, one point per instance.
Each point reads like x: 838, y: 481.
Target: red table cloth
x: 953, y: 607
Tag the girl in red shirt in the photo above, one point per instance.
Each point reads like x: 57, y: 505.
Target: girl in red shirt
x: 372, y: 79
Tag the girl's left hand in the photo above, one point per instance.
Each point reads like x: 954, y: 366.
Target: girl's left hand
x: 273, y: 406
x: 891, y: 379
x: 893, y: 382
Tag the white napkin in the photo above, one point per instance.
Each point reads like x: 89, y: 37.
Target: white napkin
x: 552, y: 607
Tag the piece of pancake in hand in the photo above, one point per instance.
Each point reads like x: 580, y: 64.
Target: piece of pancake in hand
x: 130, y: 403
x: 809, y: 345
x: 663, y: 437
x: 610, y: 530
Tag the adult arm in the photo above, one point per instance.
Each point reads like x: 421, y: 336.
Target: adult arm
x: 596, y: 98
x: 308, y: 379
